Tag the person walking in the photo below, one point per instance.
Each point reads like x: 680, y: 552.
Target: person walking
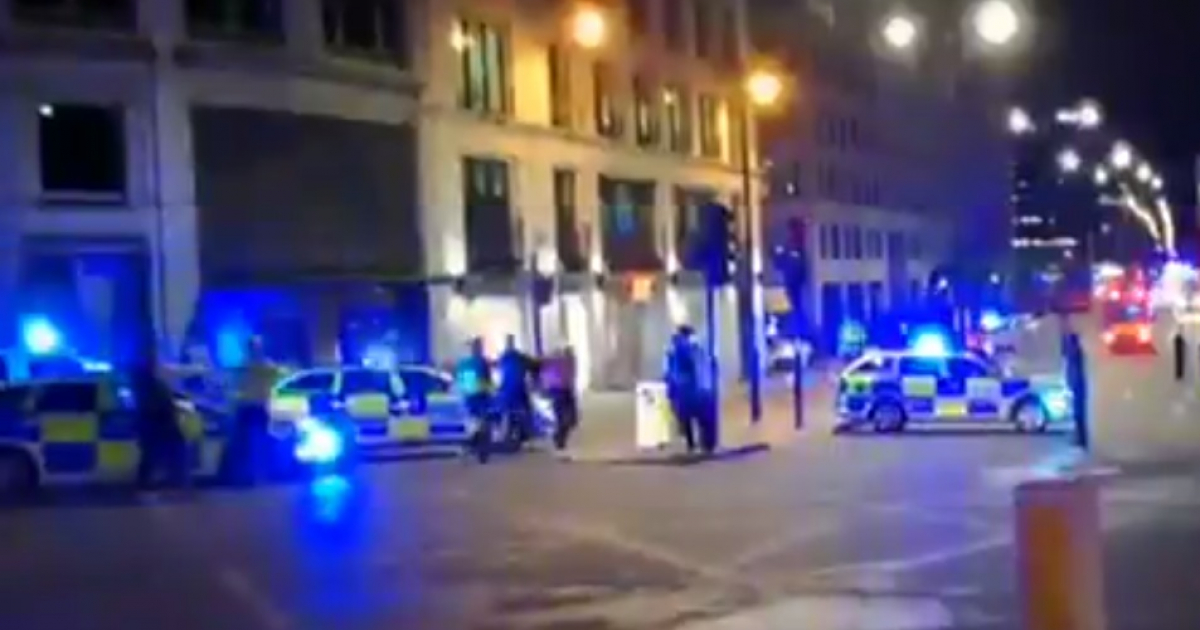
x: 517, y: 372
x: 682, y: 376
x: 473, y: 382
x: 557, y: 378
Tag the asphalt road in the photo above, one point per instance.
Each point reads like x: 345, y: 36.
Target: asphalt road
x: 828, y: 533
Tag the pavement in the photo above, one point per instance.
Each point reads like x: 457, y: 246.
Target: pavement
x: 822, y: 532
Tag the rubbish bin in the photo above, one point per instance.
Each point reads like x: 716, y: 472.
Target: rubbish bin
x: 655, y: 421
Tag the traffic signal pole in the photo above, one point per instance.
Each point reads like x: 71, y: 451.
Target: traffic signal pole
x: 747, y: 316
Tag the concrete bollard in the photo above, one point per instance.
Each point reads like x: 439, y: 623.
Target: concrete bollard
x: 1060, y: 554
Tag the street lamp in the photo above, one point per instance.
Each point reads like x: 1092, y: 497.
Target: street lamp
x: 1069, y: 160
x: 1157, y: 183
x: 996, y: 22
x: 1089, y: 116
x: 1121, y: 156
x: 900, y: 31
x: 589, y: 28
x: 1144, y: 173
x: 1019, y: 122
x: 762, y: 88
x: 1101, y: 176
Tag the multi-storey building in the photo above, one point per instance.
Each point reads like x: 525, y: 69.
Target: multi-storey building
x: 330, y: 173
x: 893, y: 166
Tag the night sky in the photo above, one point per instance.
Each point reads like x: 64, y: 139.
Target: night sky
x: 1141, y: 60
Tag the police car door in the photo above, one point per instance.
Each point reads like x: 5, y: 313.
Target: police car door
x: 920, y: 378
x: 78, y: 442
x: 301, y: 395
x: 368, y: 398
x: 972, y: 390
x: 431, y: 393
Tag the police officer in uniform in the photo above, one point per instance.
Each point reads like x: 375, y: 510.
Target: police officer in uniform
x: 473, y: 380
x: 689, y: 390
x: 252, y: 385
x: 161, y: 442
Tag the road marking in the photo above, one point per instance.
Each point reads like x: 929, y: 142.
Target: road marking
x: 239, y: 585
x: 779, y: 544
x: 839, y: 613
x: 920, y: 561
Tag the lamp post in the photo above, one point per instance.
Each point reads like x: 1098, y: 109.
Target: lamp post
x: 762, y: 89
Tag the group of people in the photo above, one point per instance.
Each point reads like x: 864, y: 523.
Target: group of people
x: 505, y: 390
x: 162, y: 441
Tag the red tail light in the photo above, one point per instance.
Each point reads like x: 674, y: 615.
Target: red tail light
x: 1144, y: 334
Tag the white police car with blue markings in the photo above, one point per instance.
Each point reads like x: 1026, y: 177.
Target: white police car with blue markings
x: 410, y: 406
x: 888, y: 390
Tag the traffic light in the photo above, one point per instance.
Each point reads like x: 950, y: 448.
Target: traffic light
x: 716, y: 247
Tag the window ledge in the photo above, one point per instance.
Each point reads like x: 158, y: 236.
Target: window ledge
x: 79, y: 200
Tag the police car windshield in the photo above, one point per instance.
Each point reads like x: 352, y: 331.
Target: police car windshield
x: 872, y: 364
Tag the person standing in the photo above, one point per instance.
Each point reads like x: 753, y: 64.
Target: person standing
x: 162, y: 446
x: 682, y: 377
x: 517, y: 371
x: 557, y: 378
x: 252, y: 385
x: 473, y: 381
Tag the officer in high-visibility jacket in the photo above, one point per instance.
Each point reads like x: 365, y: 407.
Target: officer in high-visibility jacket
x: 473, y: 382
x: 252, y: 385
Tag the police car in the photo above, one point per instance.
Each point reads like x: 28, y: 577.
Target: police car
x: 81, y: 431
x: 410, y: 406
x: 887, y: 390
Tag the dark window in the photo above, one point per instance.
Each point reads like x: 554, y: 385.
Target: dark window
x: 689, y: 203
x: 489, y: 216
x: 914, y: 366
x: 731, y: 52
x: 835, y: 242
x: 874, y: 364
x: 702, y: 16
x: 422, y: 383
x: 559, y: 69
x: 674, y: 30
x: 639, y: 17
x: 111, y: 14
x: 962, y: 369
x: 366, y: 382
x: 677, y: 110
x: 566, y: 221
x: 627, y: 224
x: 82, y: 152
x: 823, y: 242
x: 312, y: 383
x: 710, y: 129
x: 483, y: 51
x: 67, y: 398
x: 249, y: 19
x: 365, y: 27
x: 645, y: 113
x: 13, y: 400
x: 609, y: 121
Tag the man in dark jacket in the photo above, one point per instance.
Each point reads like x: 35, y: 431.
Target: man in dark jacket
x: 160, y: 438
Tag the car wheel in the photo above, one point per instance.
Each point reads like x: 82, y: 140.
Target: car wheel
x: 889, y: 417
x: 18, y: 475
x: 1031, y: 417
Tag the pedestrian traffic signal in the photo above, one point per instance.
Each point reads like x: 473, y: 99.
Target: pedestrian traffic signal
x: 716, y: 248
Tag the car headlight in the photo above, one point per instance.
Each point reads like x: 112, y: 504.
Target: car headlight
x: 1057, y: 402
x: 317, y: 442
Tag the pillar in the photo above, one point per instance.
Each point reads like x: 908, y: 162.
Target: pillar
x: 1060, y: 554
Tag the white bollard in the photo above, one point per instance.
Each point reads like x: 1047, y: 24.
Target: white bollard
x: 1060, y: 554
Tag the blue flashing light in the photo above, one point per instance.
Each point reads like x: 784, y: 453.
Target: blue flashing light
x: 96, y: 367
x: 40, y: 336
x: 930, y: 345
x: 317, y: 443
x: 380, y: 356
x: 991, y: 321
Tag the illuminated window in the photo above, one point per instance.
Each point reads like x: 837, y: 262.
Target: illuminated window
x: 677, y: 112
x: 483, y: 62
x: 645, y: 113
x: 710, y: 126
